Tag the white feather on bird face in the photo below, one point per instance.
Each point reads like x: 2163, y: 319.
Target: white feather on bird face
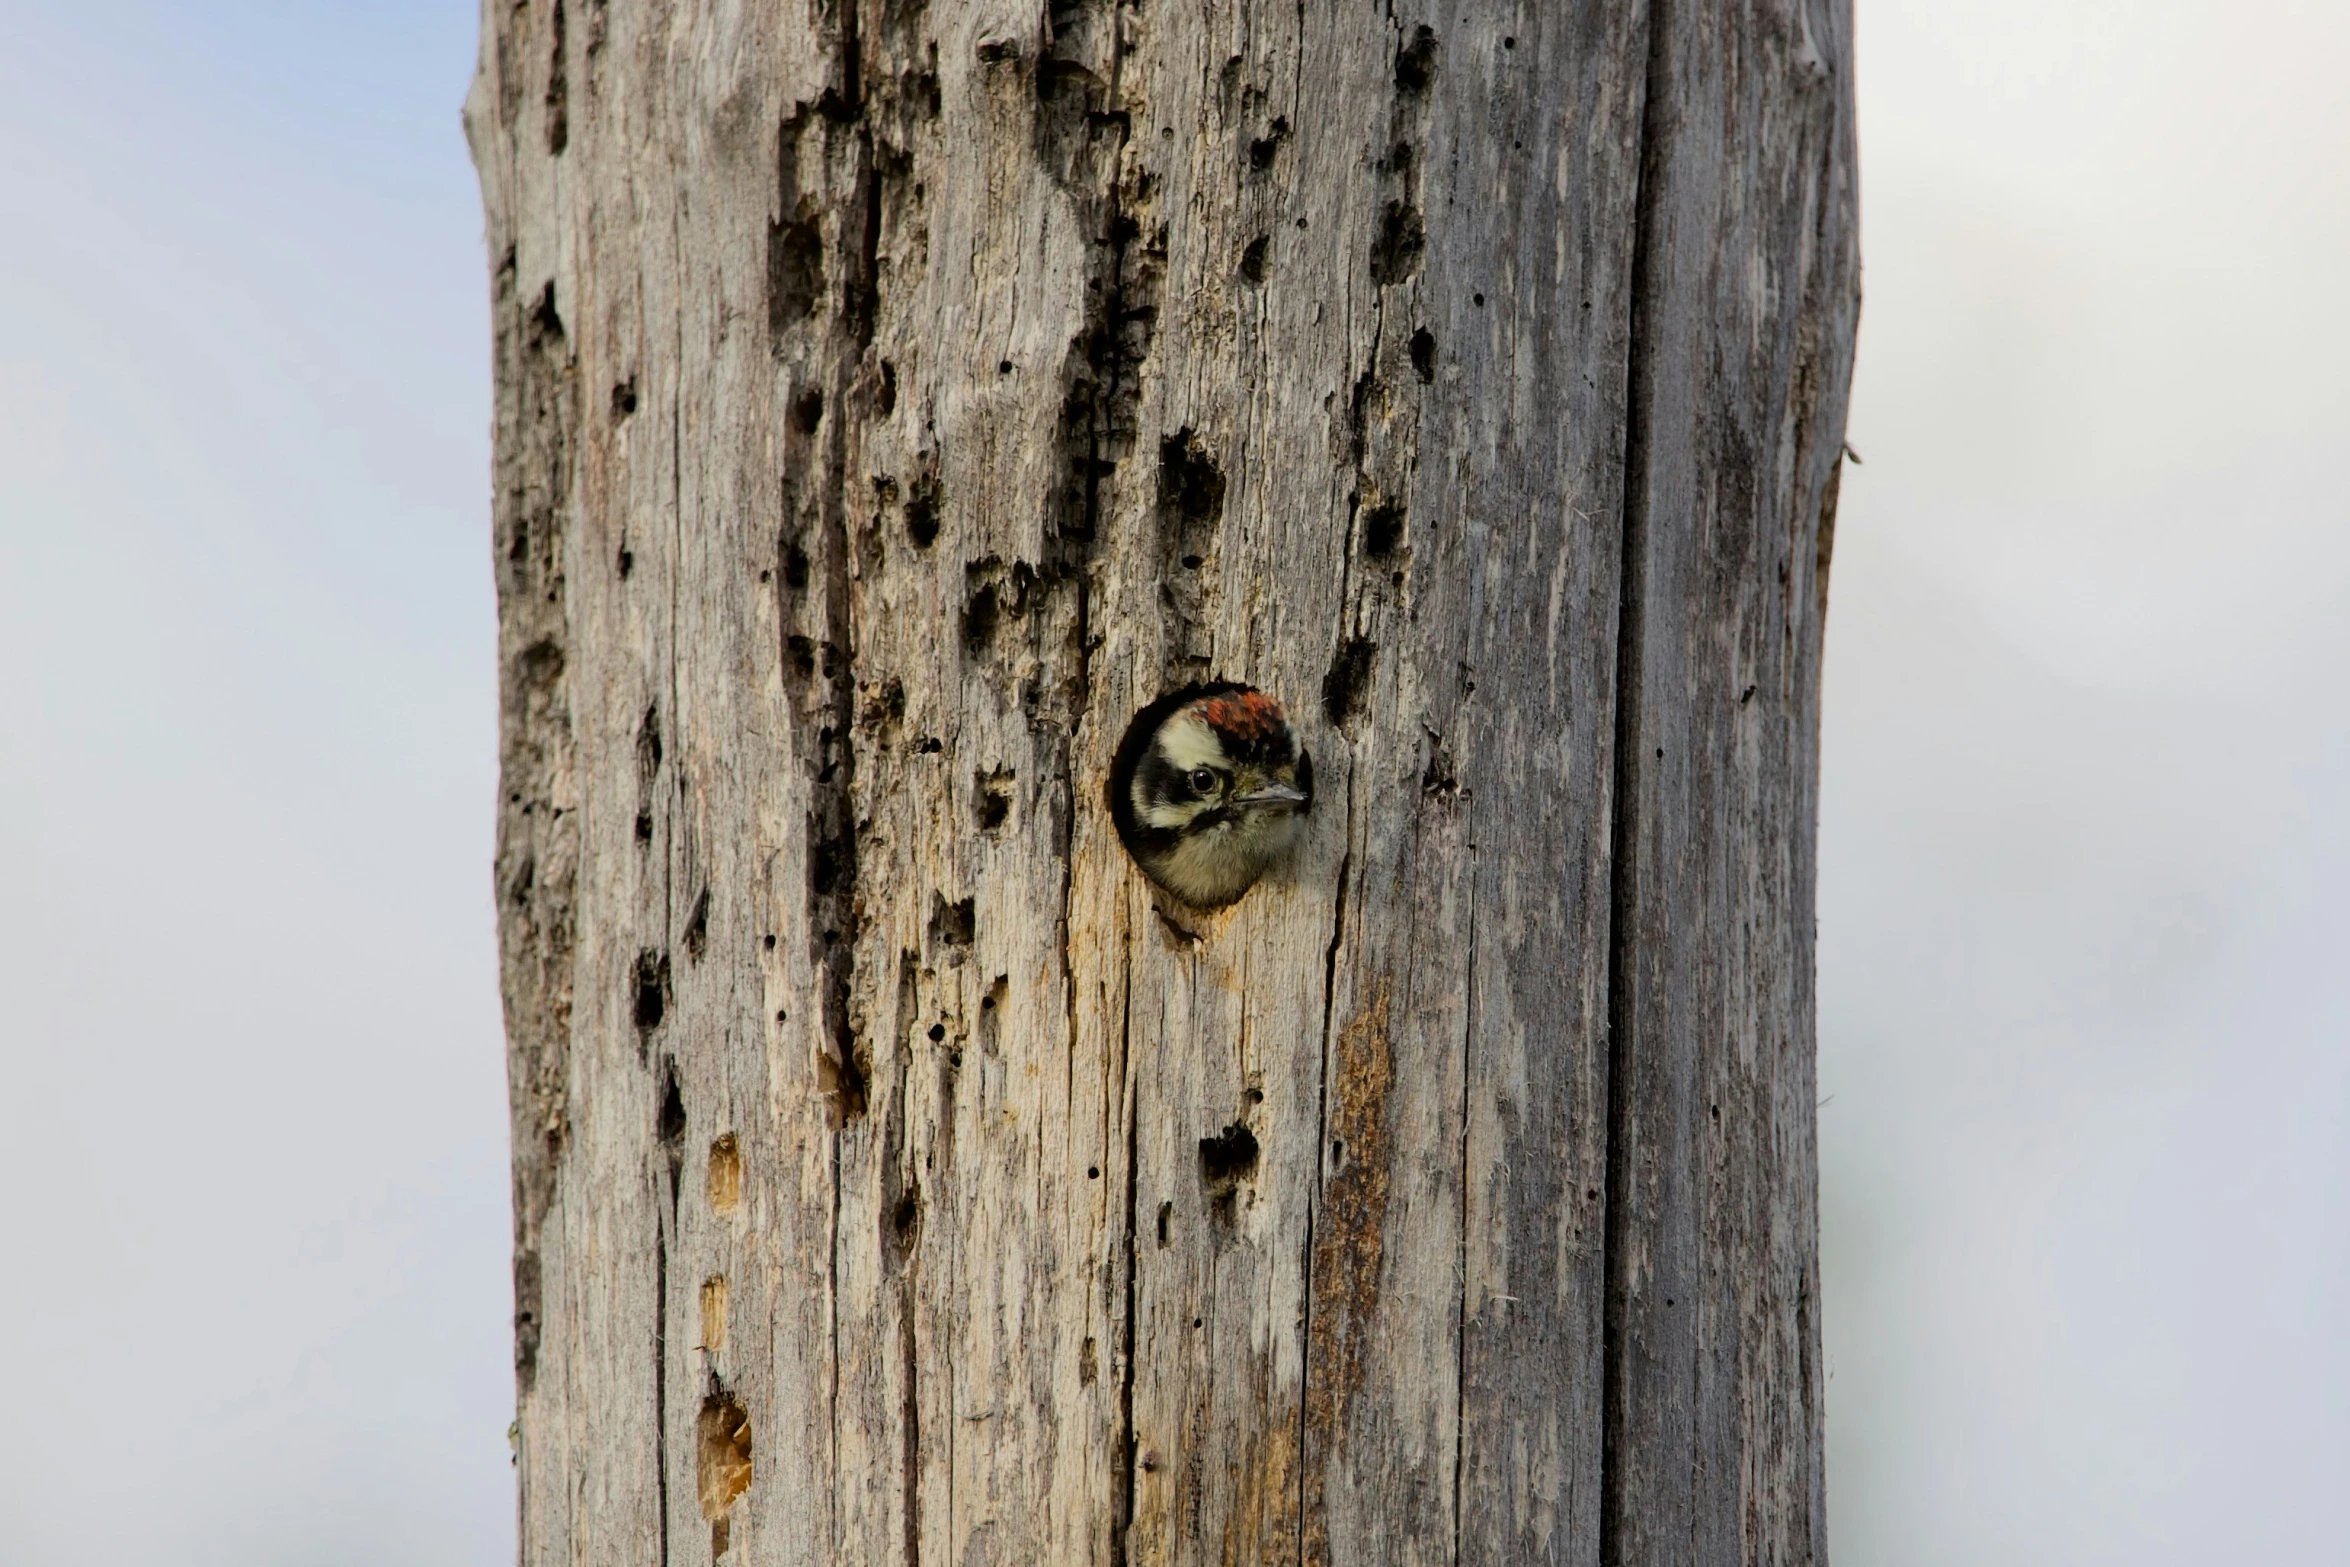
x: 1188, y: 746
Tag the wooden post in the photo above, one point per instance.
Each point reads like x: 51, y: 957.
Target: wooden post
x: 894, y: 398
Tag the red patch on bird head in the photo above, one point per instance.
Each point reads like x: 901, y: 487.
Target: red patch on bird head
x: 1245, y: 715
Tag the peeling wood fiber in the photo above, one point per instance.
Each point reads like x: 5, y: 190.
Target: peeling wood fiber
x: 891, y: 399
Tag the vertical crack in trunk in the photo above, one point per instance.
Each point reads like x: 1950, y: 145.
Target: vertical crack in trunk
x: 834, y: 796
x: 1128, y: 1454
x: 911, y: 1454
x: 1071, y: 561
x: 1625, y: 790
x: 1082, y: 133
x: 669, y: 1126
x: 1305, y: 1326
x: 901, y: 1225
x: 832, y: 1318
x: 667, y: 1235
x: 1305, y: 1339
x: 833, y: 871
x: 666, y: 1219
x: 1460, y: 1429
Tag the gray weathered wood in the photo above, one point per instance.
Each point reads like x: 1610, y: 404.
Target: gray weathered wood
x: 891, y: 400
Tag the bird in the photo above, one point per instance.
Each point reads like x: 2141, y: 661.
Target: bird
x: 1209, y: 790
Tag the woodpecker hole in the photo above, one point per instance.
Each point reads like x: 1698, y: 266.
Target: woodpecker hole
x: 795, y: 274
x: 1395, y: 255
x: 1252, y: 260
x: 669, y: 1124
x: 1191, y: 486
x: 1226, y: 1160
x: 1344, y: 687
x: 652, y: 989
x: 953, y: 924
x: 714, y: 1313
x: 724, y: 1432
x: 1438, y: 780
x: 840, y: 1077
x: 1415, y: 63
x: 981, y: 614
x: 726, y: 1176
x: 922, y: 512
x: 648, y: 745
x: 905, y: 1220
x: 1263, y: 149
x: 994, y: 797
x: 829, y: 865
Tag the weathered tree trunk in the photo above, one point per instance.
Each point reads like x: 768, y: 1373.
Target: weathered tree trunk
x: 891, y: 400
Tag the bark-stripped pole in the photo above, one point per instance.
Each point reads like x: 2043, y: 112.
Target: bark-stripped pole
x: 891, y: 399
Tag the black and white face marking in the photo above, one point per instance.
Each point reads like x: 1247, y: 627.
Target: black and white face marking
x: 1210, y: 790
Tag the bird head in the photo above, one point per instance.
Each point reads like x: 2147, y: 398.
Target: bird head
x: 1210, y: 789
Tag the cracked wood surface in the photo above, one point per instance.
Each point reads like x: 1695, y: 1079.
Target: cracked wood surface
x: 891, y: 400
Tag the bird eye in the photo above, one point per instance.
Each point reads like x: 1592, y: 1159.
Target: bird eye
x: 1203, y: 781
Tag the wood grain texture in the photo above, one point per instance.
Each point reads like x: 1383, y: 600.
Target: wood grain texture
x: 891, y: 400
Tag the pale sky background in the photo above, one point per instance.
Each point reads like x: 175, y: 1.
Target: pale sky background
x: 2085, y: 884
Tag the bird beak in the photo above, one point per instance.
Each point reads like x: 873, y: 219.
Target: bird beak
x: 1271, y: 794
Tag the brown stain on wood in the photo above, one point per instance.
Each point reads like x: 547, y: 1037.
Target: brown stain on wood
x: 1349, y: 1245
x: 1263, y: 1523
